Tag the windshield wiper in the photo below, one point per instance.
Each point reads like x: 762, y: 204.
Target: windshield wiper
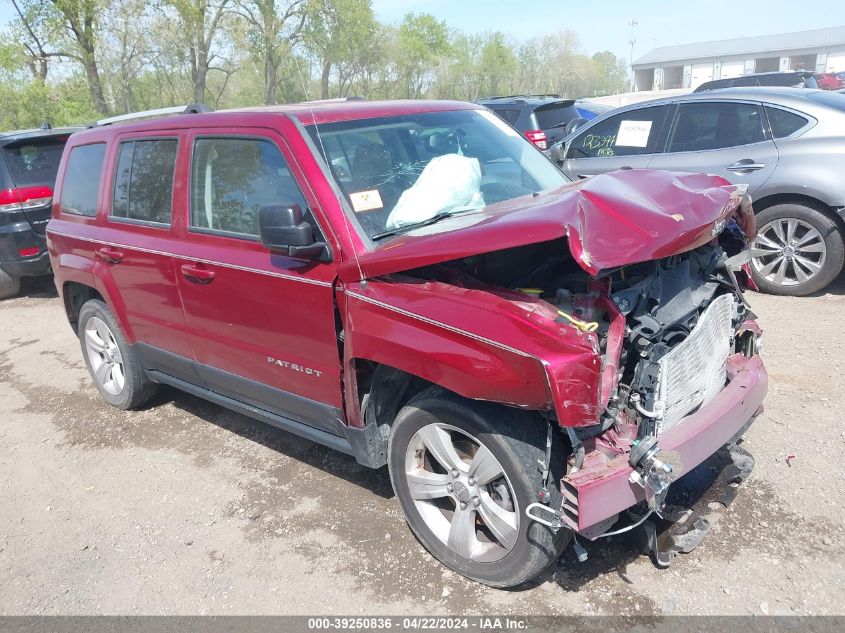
x: 410, y: 227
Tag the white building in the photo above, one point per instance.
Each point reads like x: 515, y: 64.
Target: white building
x: 690, y: 65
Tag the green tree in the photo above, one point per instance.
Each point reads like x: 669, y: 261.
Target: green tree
x: 275, y: 27
x: 80, y: 18
x: 422, y: 41
x: 337, y: 34
x: 199, y: 22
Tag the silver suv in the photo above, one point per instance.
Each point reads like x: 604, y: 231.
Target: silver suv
x: 787, y: 144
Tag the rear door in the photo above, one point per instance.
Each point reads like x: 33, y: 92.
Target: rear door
x: 139, y: 234
x: 261, y: 324
x: 727, y: 138
x: 624, y: 141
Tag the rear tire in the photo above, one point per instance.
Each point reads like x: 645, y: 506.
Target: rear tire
x: 490, y: 539
x: 112, y: 362
x: 815, y: 246
x: 9, y: 286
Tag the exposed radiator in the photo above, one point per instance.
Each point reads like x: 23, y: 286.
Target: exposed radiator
x: 692, y: 373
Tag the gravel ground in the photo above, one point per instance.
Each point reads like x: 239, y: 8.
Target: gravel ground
x: 186, y: 508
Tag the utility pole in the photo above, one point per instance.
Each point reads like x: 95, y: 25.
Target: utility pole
x: 632, y: 22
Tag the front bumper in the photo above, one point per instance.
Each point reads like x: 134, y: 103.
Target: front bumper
x: 595, y: 494
x: 15, y: 236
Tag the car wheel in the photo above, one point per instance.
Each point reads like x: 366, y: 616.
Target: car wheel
x: 798, y: 250
x: 464, y: 472
x: 112, y: 363
x: 9, y: 286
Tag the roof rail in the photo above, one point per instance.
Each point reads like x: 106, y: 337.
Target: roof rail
x: 194, y: 108
x: 522, y: 96
x: 336, y: 100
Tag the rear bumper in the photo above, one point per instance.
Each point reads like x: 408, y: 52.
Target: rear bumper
x: 15, y: 237
x: 595, y: 494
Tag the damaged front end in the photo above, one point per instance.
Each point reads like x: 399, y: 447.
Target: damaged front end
x: 629, y: 304
x: 688, y: 380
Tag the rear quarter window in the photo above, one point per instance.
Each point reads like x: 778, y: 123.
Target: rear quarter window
x: 81, y: 182
x: 784, y: 123
x: 508, y: 114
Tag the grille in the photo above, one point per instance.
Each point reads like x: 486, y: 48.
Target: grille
x: 692, y: 373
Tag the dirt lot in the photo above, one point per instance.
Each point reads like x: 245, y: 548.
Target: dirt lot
x: 186, y: 508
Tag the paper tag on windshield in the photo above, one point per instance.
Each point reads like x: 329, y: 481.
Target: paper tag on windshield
x: 366, y: 200
x: 633, y: 134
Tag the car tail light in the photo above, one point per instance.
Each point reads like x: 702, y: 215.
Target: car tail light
x: 538, y: 137
x: 12, y: 200
x: 29, y: 252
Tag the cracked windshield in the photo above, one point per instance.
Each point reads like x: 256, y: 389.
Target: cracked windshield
x: 398, y: 172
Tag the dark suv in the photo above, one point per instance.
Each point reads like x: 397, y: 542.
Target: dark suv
x: 414, y: 284
x: 784, y: 79
x: 28, y: 163
x: 541, y: 118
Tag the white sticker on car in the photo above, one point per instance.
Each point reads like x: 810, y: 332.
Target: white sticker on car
x: 633, y: 133
x: 366, y: 200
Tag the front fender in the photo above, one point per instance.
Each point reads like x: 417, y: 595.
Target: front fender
x: 476, y: 344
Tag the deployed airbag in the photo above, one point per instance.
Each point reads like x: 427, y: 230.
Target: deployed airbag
x: 448, y: 183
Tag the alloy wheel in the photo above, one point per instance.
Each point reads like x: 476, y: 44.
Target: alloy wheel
x: 462, y: 493
x: 104, y: 356
x: 788, y: 252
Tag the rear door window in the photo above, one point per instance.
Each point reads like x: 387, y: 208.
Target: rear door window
x: 630, y: 133
x: 143, y: 186
x: 783, y: 122
x: 710, y: 125
x: 82, y: 179
x: 34, y: 163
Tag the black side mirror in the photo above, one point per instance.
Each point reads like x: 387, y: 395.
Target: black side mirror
x: 283, y: 228
x: 557, y: 152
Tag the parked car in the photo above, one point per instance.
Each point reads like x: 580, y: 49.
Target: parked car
x: 589, y: 110
x: 414, y: 284
x: 28, y: 163
x: 541, y: 118
x: 830, y: 81
x: 787, y: 145
x: 783, y: 79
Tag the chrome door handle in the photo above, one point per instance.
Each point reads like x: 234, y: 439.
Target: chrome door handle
x: 742, y: 167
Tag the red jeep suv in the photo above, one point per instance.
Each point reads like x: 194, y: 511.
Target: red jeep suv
x: 415, y: 284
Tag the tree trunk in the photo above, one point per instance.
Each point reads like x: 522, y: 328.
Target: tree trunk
x: 271, y: 77
x: 82, y: 25
x: 95, y: 86
x: 324, y: 79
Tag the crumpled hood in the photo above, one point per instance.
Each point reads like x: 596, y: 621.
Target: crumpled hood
x: 610, y: 220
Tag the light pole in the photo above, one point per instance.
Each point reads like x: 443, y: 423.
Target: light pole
x: 632, y: 22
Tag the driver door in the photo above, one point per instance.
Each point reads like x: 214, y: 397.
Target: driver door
x: 261, y: 325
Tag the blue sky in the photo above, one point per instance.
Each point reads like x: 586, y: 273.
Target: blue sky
x: 603, y: 24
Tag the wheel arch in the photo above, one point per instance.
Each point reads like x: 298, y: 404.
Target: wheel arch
x: 75, y: 295
x: 798, y: 198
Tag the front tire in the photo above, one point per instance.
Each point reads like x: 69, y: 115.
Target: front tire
x: 113, y: 365
x: 798, y: 250
x: 9, y: 286
x: 464, y: 472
